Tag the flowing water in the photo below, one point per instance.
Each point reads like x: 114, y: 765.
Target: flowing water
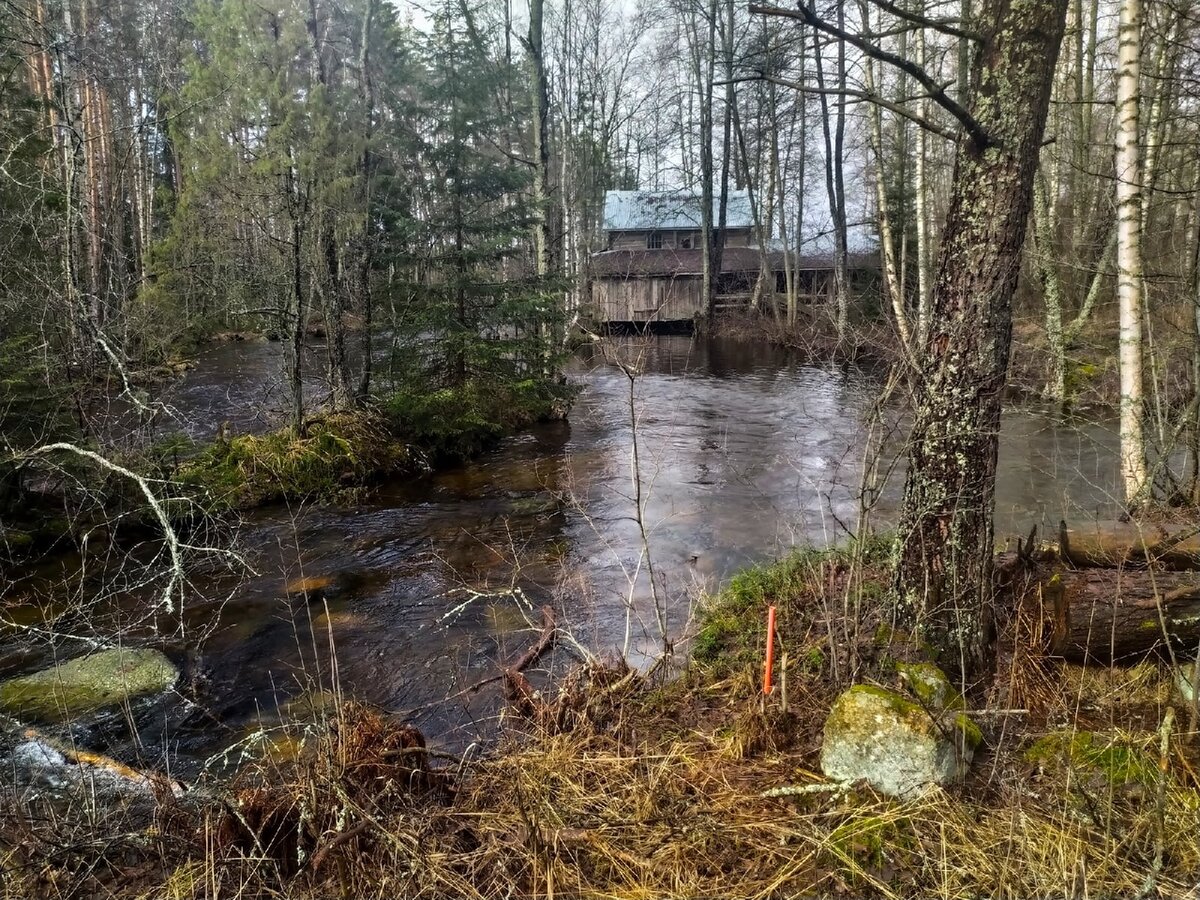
x: 743, y: 452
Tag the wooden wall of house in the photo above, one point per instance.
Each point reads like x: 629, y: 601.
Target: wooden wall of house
x: 628, y: 240
x: 671, y: 240
x: 664, y: 299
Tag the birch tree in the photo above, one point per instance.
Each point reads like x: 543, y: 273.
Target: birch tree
x: 1129, y: 250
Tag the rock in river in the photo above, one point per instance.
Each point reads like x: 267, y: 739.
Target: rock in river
x: 87, y: 684
x: 900, y: 747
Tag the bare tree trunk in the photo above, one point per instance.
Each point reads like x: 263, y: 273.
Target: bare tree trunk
x: 328, y: 278
x: 944, y: 569
x: 726, y: 140
x: 833, y: 163
x: 1044, y: 263
x: 921, y: 189
x: 794, y: 293
x: 1129, y: 252
x: 1194, y: 284
x: 540, y: 92
x: 887, y: 240
x: 705, y: 67
x: 365, y: 251
x: 295, y: 362
x: 841, y: 277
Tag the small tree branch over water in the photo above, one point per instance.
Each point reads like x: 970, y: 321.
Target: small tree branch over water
x: 176, y: 576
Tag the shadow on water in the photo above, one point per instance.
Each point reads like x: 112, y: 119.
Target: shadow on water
x: 744, y: 453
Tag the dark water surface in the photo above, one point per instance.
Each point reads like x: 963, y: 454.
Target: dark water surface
x: 744, y: 452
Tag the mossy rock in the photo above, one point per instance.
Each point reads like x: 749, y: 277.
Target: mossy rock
x: 534, y: 506
x: 894, y: 743
x: 88, y: 684
x: 930, y: 686
x: 15, y: 539
x: 1111, y: 758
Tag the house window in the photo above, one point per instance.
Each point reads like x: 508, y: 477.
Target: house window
x: 654, y: 240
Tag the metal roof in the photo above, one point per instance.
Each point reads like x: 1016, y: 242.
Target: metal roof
x: 668, y: 210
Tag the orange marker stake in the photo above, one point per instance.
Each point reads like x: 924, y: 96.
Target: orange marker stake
x: 770, y: 650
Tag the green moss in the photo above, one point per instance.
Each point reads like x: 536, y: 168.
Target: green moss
x: 455, y: 423
x: 1086, y: 752
x: 930, y: 686
x: 337, y: 453
x: 14, y: 539
x: 732, y: 624
x: 843, y: 716
x: 344, y: 451
x: 971, y: 735
x: 812, y: 661
x: 894, y: 701
x: 87, y: 684
x: 867, y: 842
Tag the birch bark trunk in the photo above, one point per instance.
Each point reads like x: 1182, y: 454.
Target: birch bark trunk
x: 1129, y: 251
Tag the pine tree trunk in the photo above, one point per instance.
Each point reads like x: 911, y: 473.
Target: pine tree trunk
x: 944, y: 567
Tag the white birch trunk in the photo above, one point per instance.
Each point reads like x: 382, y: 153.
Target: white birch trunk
x: 1129, y: 251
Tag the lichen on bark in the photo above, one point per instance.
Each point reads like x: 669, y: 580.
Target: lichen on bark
x: 943, y: 585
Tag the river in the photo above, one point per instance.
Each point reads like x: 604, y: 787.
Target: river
x: 744, y: 451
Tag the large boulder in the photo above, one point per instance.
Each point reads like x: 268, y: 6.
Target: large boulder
x: 900, y: 746
x: 87, y: 684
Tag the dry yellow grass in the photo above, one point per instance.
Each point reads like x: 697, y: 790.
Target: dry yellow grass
x: 626, y: 787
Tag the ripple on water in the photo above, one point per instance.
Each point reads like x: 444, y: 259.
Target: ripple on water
x: 744, y: 453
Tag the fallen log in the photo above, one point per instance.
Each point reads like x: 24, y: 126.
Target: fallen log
x: 1130, y: 544
x: 1121, y: 615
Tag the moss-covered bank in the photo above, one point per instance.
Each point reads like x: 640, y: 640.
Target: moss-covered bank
x: 730, y: 626
x: 402, y: 433
x: 46, y: 501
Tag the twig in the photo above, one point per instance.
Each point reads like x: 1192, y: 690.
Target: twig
x: 354, y: 831
x: 173, y: 547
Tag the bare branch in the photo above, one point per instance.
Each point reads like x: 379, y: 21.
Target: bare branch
x: 937, y: 93
x: 945, y: 26
x: 947, y: 133
x: 173, y: 546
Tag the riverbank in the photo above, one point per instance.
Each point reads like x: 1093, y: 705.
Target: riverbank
x: 1092, y: 382
x: 339, y: 456
x: 403, y: 434
x: 621, y: 784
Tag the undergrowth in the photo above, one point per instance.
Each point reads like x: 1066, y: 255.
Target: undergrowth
x: 731, y: 625
x: 456, y: 423
x: 619, y: 784
x: 337, y: 453
x: 404, y: 432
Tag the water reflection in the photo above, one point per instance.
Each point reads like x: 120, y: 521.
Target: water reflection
x: 744, y: 452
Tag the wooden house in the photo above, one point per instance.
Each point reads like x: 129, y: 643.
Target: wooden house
x: 652, y: 269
